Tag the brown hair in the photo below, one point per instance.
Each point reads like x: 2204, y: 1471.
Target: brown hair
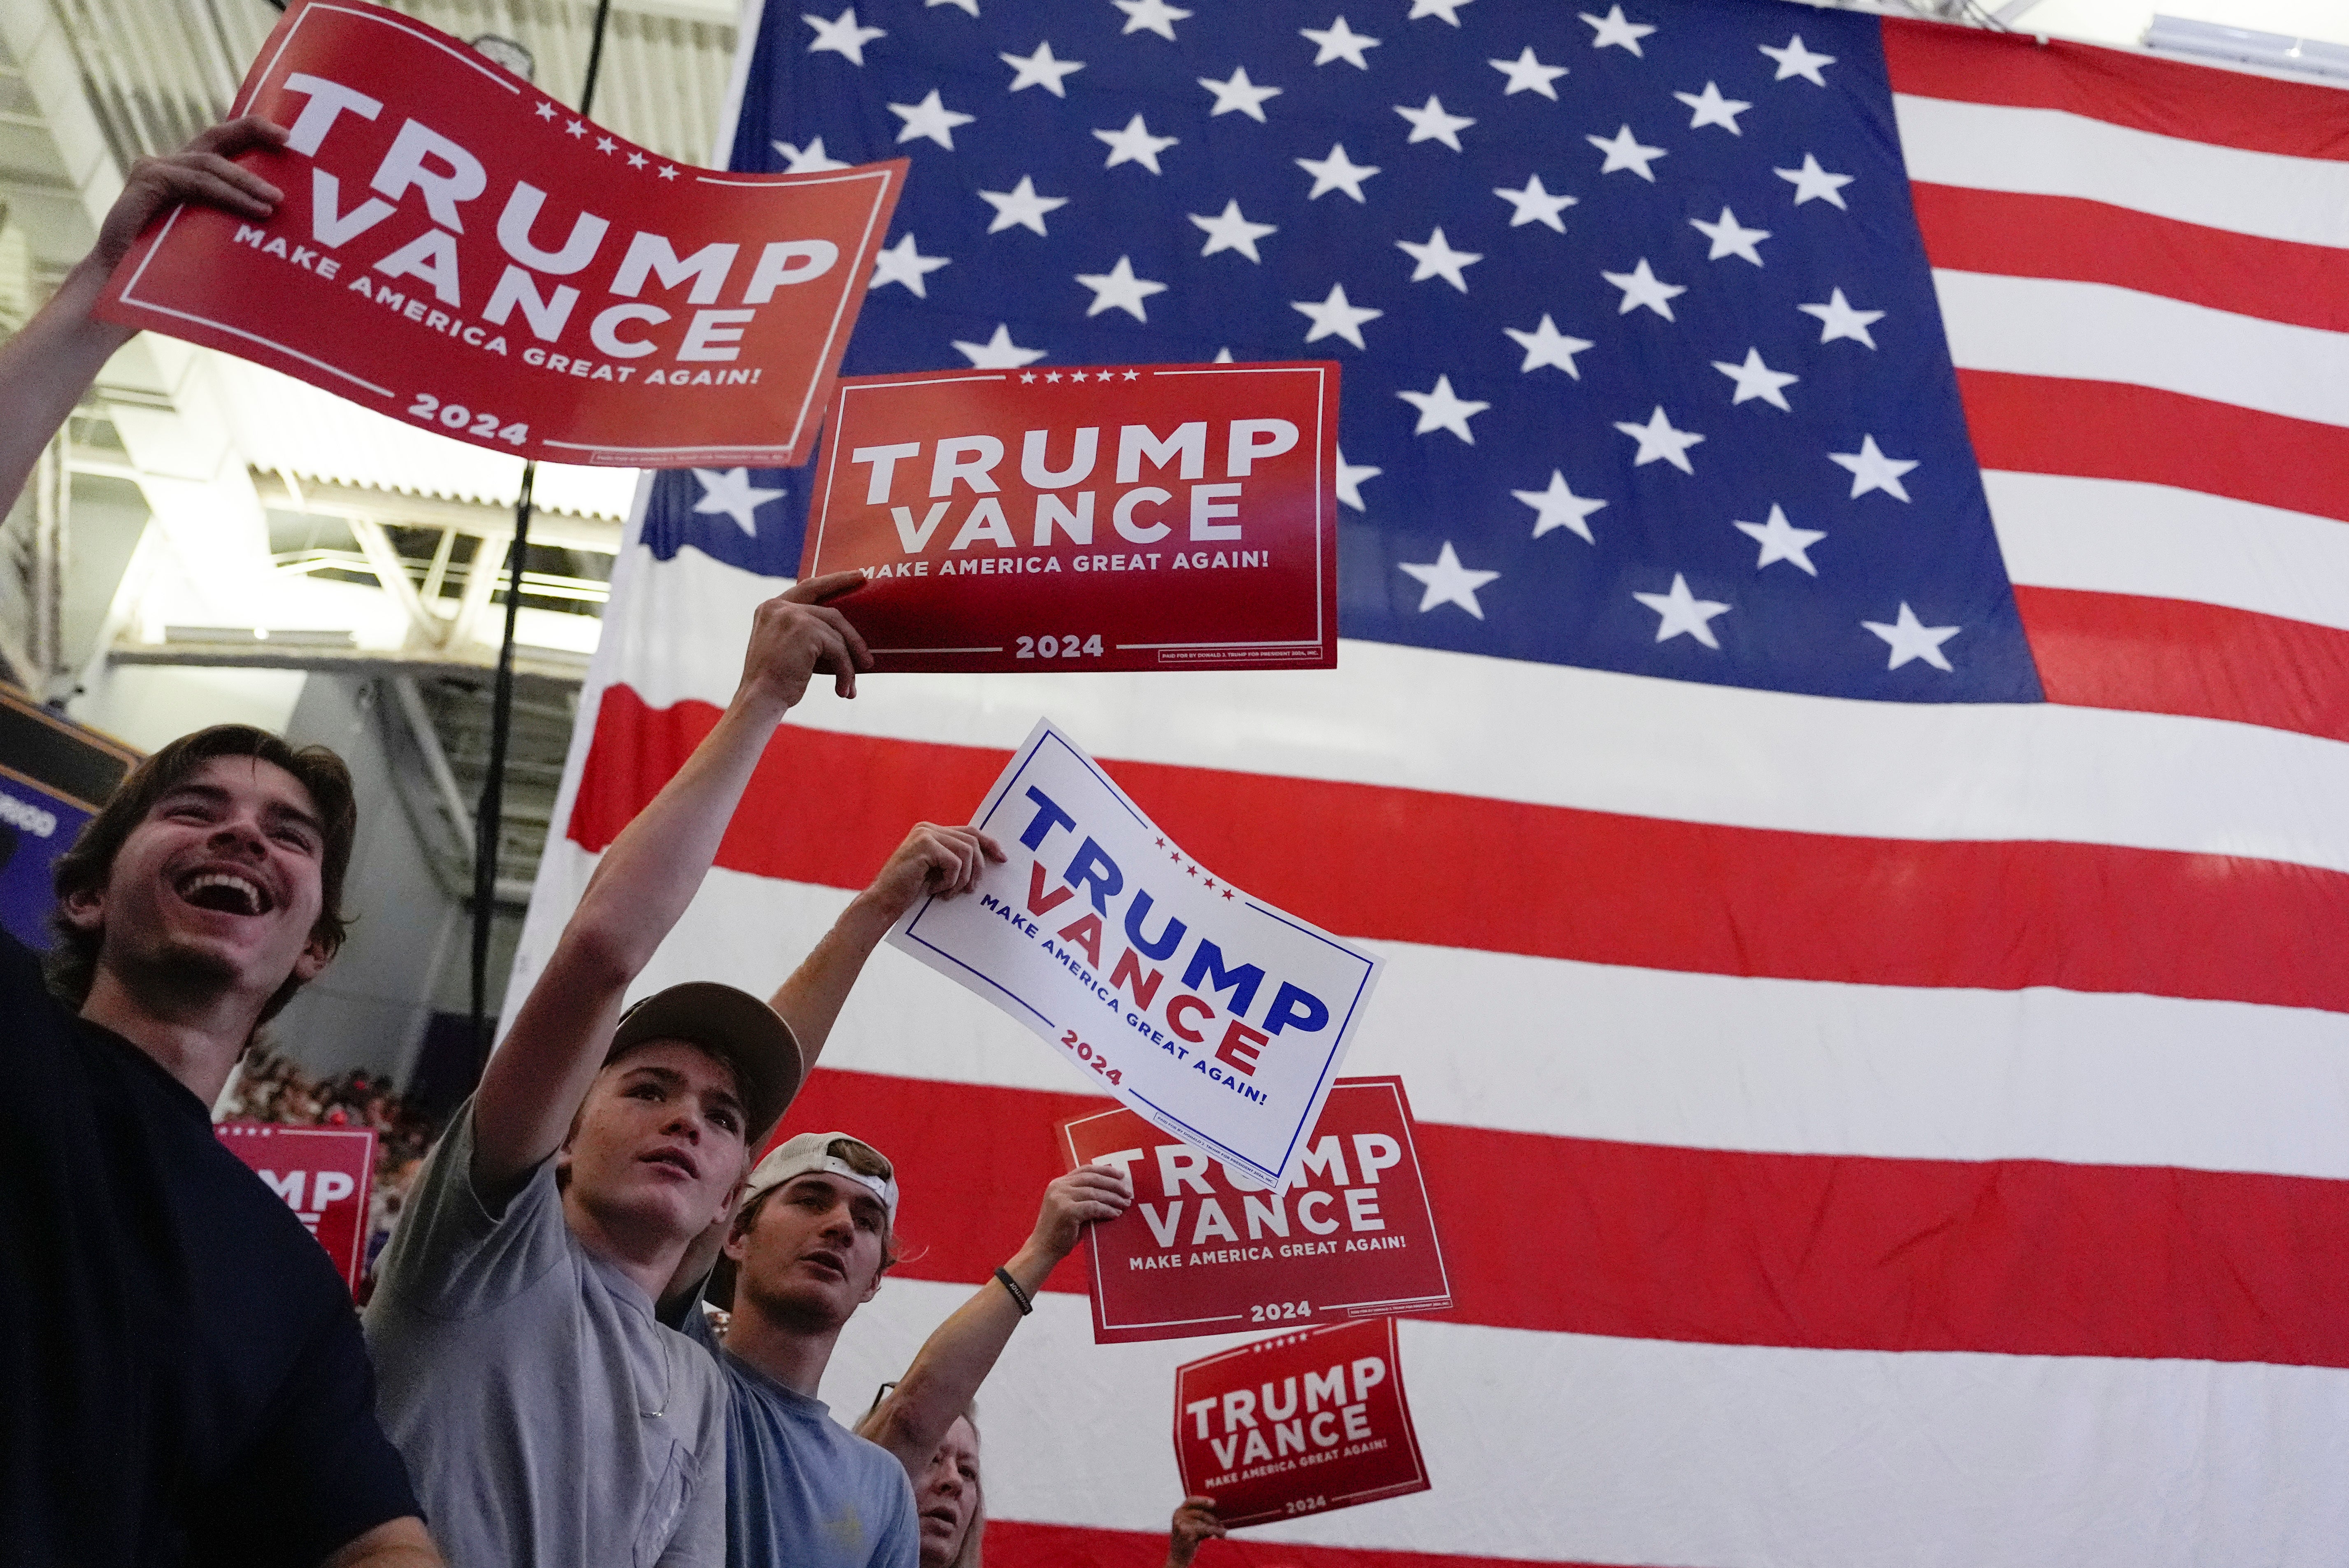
x: 72, y: 964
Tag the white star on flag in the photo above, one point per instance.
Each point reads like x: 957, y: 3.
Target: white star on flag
x: 1040, y: 69
x: 1909, y: 638
x: 1641, y: 287
x: 1559, y: 507
x: 1534, y: 204
x: 842, y: 36
x: 901, y: 263
x: 731, y: 492
x: 1781, y: 540
x: 1794, y: 60
x: 1545, y: 344
x: 998, y: 352
x: 1339, y: 42
x: 1335, y: 173
x: 970, y: 6
x: 929, y: 118
x: 1134, y: 144
x: 1232, y: 231
x: 1447, y: 9
x: 1336, y: 317
x: 1442, y: 410
x: 1021, y: 207
x: 1431, y: 123
x: 1730, y: 240
x: 810, y: 159
x: 1811, y: 183
x: 1623, y: 152
x: 1756, y: 379
x: 1239, y: 95
x: 1151, y: 16
x: 1119, y: 289
x: 1614, y: 28
x: 1839, y: 319
x: 1871, y: 470
x: 1527, y: 74
x: 1712, y: 108
x: 1448, y: 582
x: 1682, y: 611
x: 1659, y: 442
x: 1350, y: 474
x: 1436, y: 258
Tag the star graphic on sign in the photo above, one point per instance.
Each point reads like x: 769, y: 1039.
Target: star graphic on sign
x: 1781, y: 540
x: 1871, y: 470
x: 1349, y: 480
x: 1728, y: 240
x: 1811, y: 183
x: 1040, y: 69
x: 637, y: 161
x: 1430, y: 123
x: 901, y: 263
x: 809, y: 159
x: 1339, y: 42
x: 1756, y: 379
x: 1447, y: 582
x: 1641, y: 287
x: 1559, y: 507
x: 1152, y: 16
x: 1239, y: 95
x: 1021, y: 207
x: 1623, y: 152
x: 1002, y: 354
x: 1683, y: 611
x: 1027, y: 378
x: 1447, y: 9
x: 1232, y: 231
x: 970, y: 6
x: 1227, y: 892
x: 929, y: 118
x: 1535, y: 204
x: 1134, y: 144
x: 1545, y: 344
x: 1909, y: 638
x: 667, y: 173
x: 1712, y: 108
x: 1436, y: 258
x: 1839, y: 319
x: 1659, y: 442
x: 1613, y: 28
x: 545, y: 110
x: 1527, y: 74
x: 1053, y: 377
x: 575, y: 129
x: 1119, y: 289
x: 606, y: 144
x: 1335, y: 317
x: 1442, y: 410
x: 1136, y: 375
x: 731, y: 492
x: 1337, y: 173
x: 842, y: 36
x: 1794, y: 60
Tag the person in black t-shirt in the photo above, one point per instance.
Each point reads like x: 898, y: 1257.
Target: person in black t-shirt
x: 185, y: 1380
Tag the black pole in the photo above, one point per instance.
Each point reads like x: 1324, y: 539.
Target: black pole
x: 594, y: 55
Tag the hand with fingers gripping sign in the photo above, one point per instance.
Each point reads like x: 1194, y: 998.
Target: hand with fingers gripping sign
x: 797, y: 633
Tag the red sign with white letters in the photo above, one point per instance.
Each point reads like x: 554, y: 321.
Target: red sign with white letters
x: 1117, y: 517
x: 1297, y: 1424
x: 1208, y: 1249
x: 324, y: 1173
x: 458, y: 249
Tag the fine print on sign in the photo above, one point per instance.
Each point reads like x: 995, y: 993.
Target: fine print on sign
x: 1207, y: 1249
x: 458, y: 249
x: 1219, y: 1018
x: 1134, y: 517
x: 1297, y: 1424
x: 324, y: 1174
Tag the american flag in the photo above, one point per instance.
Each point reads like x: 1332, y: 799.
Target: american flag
x: 1840, y: 737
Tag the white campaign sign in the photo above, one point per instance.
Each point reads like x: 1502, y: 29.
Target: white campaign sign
x: 1221, y: 1019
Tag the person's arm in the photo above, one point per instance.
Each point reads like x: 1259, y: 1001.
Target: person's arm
x: 1194, y: 1522
x: 957, y: 1357
x: 933, y: 860
x: 395, y: 1544
x: 538, y: 1078
x: 47, y: 365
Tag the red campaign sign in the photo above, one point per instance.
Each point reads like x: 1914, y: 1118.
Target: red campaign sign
x: 325, y: 1175
x: 1208, y: 1249
x: 1134, y: 517
x: 1301, y: 1423
x: 458, y: 249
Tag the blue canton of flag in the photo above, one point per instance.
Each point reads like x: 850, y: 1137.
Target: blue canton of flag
x: 1643, y: 369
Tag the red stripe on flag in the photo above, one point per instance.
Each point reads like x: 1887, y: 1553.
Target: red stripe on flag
x: 2079, y: 241
x: 1076, y: 1546
x: 2110, y: 430
x: 1461, y: 871
x: 1642, y: 1241
x: 2174, y: 656
x: 2167, y: 97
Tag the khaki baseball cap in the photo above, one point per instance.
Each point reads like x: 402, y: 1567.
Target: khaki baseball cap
x: 738, y: 1029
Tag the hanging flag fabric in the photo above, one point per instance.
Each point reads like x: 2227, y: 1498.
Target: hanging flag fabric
x: 1863, y: 911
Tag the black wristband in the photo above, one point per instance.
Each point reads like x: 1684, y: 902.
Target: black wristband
x: 1026, y: 1303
